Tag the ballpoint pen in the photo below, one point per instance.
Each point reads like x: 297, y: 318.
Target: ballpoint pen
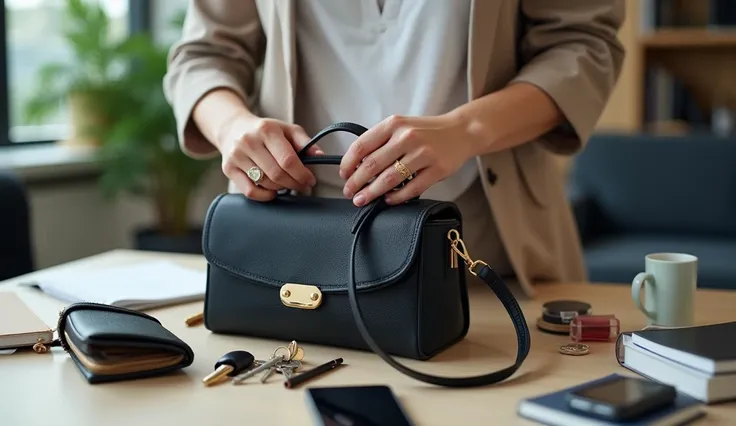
x: 311, y: 374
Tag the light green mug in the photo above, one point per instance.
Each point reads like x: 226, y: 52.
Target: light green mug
x: 669, y: 285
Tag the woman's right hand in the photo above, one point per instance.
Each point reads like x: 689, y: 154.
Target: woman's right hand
x: 270, y: 145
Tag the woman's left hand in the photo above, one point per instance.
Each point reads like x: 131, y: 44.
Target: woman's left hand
x: 433, y: 148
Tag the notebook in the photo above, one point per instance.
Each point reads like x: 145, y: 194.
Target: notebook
x: 552, y: 409
x: 702, y: 386
x: 708, y: 348
x: 139, y: 286
x: 19, y: 326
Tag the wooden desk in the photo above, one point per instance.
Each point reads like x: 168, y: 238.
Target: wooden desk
x: 48, y: 389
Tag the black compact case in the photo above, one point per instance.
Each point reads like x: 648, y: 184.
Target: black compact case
x: 109, y: 343
x: 557, y: 315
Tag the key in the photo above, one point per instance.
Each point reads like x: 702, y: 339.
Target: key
x: 287, y: 369
x: 286, y: 372
x: 268, y: 373
x: 261, y: 368
x: 287, y: 353
x: 293, y: 352
x: 231, y: 364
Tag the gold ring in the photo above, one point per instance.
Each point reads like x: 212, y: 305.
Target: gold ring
x: 255, y: 174
x: 403, y: 170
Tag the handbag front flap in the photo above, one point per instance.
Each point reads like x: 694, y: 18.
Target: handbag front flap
x: 307, y: 240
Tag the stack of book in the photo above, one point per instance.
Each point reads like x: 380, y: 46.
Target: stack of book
x: 699, y: 361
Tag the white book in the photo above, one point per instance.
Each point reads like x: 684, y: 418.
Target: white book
x: 138, y: 286
x: 702, y: 386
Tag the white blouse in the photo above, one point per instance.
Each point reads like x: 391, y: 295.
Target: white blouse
x: 364, y: 60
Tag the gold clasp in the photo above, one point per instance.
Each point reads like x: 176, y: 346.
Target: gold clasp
x: 300, y: 296
x: 457, y: 248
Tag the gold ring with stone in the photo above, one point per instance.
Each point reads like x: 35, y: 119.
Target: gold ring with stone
x: 403, y: 170
x: 255, y: 174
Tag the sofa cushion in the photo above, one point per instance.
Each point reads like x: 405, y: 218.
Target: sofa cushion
x: 662, y: 184
x: 618, y: 259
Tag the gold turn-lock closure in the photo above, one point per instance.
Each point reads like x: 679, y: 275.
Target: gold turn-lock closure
x: 300, y: 296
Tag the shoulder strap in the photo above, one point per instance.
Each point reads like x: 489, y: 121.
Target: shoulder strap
x: 485, y: 273
x: 482, y: 270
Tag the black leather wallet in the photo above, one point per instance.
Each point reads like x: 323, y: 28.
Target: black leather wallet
x: 109, y: 343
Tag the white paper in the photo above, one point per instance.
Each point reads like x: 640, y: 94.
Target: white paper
x: 7, y: 351
x: 137, y: 286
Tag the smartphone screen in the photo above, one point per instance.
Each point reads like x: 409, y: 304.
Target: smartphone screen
x: 624, y: 392
x: 623, y: 398
x: 356, y: 406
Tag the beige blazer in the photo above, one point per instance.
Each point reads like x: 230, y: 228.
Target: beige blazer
x: 568, y: 48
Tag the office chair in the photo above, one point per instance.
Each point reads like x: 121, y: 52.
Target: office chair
x: 16, y: 254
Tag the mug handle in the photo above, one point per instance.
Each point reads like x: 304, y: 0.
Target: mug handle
x: 639, y: 281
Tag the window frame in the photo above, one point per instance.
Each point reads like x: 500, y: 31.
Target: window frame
x: 139, y: 20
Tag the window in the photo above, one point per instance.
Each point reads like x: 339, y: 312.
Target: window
x: 32, y: 38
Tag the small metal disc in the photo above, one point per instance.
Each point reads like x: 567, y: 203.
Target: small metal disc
x: 299, y: 354
x: 575, y: 349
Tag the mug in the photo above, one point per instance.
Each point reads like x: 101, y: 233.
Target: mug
x: 669, y: 285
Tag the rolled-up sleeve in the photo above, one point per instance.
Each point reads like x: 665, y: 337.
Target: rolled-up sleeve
x: 571, y: 51
x: 221, y: 46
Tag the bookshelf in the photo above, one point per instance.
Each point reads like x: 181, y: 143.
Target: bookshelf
x: 674, y: 39
x: 687, y: 54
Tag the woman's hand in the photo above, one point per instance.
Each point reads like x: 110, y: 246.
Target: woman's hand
x: 433, y: 148
x: 270, y: 145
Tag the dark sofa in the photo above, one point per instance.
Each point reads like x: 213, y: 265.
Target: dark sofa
x: 16, y: 254
x: 639, y: 194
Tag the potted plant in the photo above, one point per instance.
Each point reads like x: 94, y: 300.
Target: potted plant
x: 116, y: 94
x: 84, y: 83
x: 140, y: 153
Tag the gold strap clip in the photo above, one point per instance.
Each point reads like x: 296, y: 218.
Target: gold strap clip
x: 457, y: 248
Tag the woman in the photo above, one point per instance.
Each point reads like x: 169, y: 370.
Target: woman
x: 473, y: 96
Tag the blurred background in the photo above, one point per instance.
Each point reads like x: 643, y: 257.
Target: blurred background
x: 88, y: 137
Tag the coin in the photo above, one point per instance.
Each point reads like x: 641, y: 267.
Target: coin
x: 575, y: 349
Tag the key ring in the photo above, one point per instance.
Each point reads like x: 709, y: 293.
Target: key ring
x: 286, y: 357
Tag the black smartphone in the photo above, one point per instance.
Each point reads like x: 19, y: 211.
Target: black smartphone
x: 623, y: 398
x: 356, y: 406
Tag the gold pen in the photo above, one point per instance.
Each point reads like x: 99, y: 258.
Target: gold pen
x: 195, y: 319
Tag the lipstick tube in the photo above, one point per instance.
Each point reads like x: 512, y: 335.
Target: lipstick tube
x: 594, y: 328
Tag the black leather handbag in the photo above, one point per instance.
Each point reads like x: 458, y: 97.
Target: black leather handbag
x: 320, y: 270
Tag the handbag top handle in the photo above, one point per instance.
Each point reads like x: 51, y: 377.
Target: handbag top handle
x: 477, y: 267
x: 353, y: 128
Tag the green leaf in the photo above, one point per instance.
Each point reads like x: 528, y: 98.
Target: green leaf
x: 140, y: 154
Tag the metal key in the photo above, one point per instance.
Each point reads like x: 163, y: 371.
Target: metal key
x: 281, y: 354
x: 295, y: 353
x: 268, y: 373
x: 261, y: 368
x: 286, y: 354
x: 287, y: 369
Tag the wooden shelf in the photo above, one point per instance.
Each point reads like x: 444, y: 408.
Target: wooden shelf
x: 689, y: 39
x: 703, y: 60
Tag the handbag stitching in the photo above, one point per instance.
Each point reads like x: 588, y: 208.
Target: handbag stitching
x: 255, y: 277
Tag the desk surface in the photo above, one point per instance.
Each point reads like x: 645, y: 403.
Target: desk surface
x: 47, y: 389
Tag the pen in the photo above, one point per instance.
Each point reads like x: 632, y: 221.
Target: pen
x: 311, y: 374
x: 195, y: 319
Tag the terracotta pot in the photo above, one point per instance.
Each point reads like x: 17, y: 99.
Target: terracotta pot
x: 86, y: 114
